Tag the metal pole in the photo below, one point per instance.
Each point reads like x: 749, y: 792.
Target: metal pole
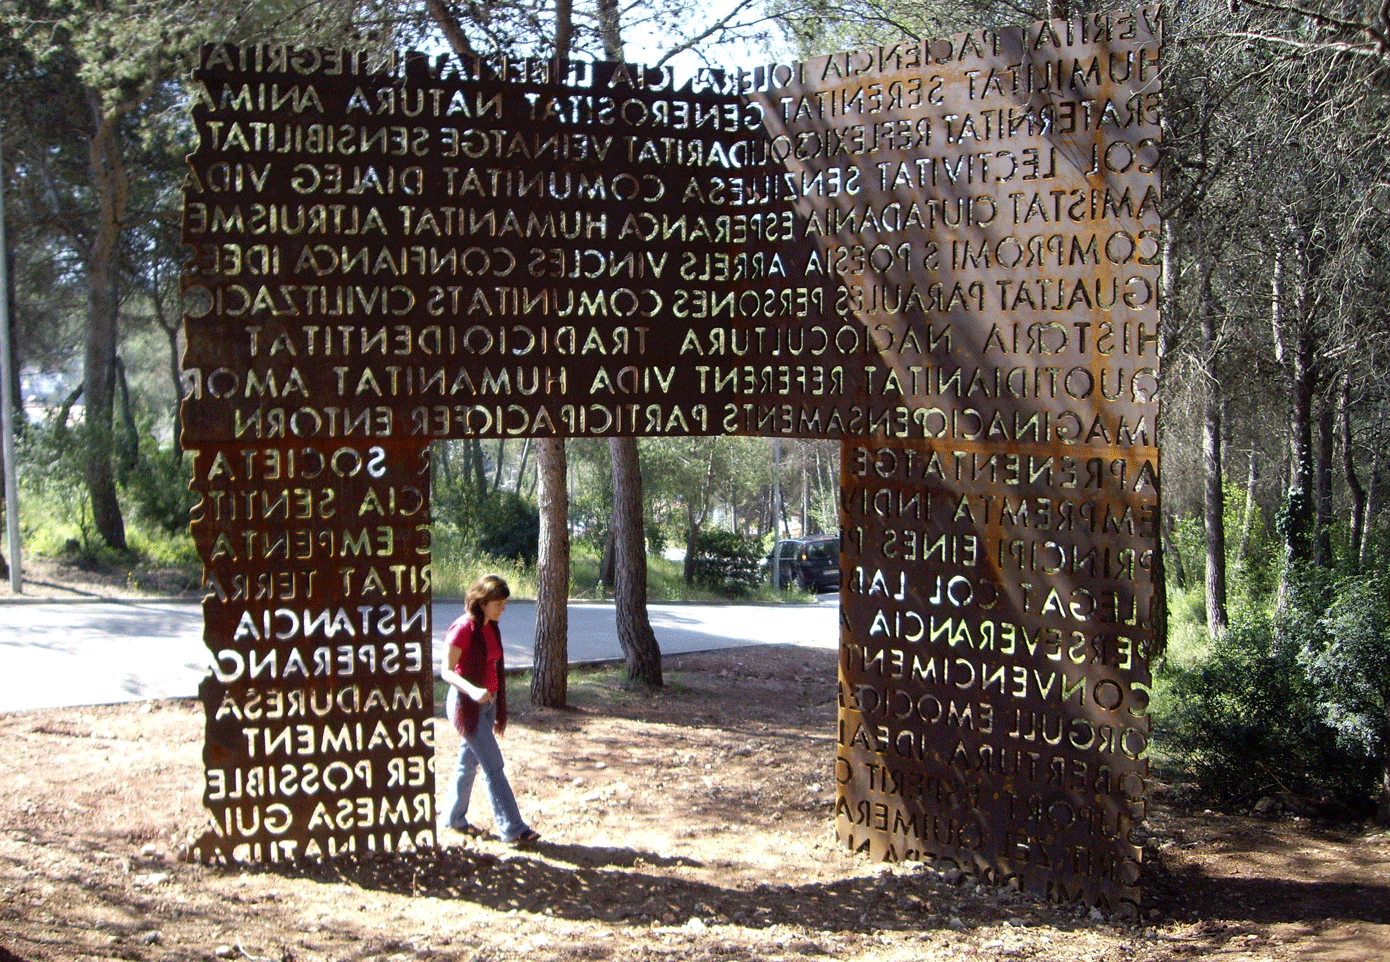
x: 7, y: 401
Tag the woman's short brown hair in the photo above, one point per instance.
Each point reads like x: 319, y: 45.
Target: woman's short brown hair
x: 486, y: 589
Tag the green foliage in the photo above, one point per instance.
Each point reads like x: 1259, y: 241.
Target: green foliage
x: 498, y: 524
x: 1252, y: 568
x: 726, y: 562
x: 1244, y: 723
x: 1286, y: 700
x: 55, y: 511
x: 456, y: 562
x: 508, y: 527
x: 1189, y: 637
x: 1349, y: 665
x: 157, y: 486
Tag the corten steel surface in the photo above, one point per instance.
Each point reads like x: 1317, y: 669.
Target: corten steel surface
x: 317, y: 613
x: 944, y: 253
x: 1000, y: 568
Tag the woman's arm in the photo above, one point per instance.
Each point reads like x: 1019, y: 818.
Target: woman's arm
x: 453, y: 679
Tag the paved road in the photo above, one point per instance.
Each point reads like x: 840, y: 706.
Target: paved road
x: 88, y: 653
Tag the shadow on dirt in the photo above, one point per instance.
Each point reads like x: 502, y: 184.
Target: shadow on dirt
x: 608, y: 885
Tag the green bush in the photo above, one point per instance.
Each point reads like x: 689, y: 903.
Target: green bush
x: 726, y: 562
x: 157, y: 486
x: 509, y: 526
x: 1244, y: 721
x: 55, y: 507
x: 1348, y: 663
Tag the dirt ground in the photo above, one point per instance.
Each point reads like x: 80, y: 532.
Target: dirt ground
x: 693, y: 824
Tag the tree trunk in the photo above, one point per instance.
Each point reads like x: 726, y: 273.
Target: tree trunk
x: 1252, y: 478
x: 805, y: 495
x: 549, y: 678
x: 779, y: 510
x: 1214, y: 520
x: 1213, y: 467
x: 475, y: 453
x: 1296, y: 521
x: 449, y: 26
x: 550, y: 675
x: 1299, y: 506
x: 522, y: 464
x: 128, y: 446
x: 634, y: 629
x: 99, y: 349
x: 692, y: 537
x: 1354, y: 488
x: 16, y: 362
x: 171, y: 335
x: 1371, y: 488
x: 609, y: 29
x: 627, y: 537
x: 1322, y: 530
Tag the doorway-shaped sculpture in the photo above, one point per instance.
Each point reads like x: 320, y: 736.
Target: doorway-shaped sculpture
x: 943, y: 253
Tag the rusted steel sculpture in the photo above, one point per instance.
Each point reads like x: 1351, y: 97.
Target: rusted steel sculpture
x: 943, y: 253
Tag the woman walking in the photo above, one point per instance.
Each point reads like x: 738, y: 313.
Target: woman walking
x: 474, y: 671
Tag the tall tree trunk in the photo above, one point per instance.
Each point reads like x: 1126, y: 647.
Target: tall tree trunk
x: 1371, y: 489
x: 522, y: 464
x: 608, y: 561
x: 1300, y: 507
x: 497, y: 471
x: 479, y: 463
x: 1354, y: 487
x: 1296, y: 521
x: 779, y: 510
x: 171, y: 335
x: 1172, y: 556
x: 449, y: 26
x: 629, y: 539
x: 805, y: 494
x: 1322, y: 526
x: 1252, y: 478
x: 549, y: 678
x: 610, y: 30
x: 692, y: 538
x: 99, y: 349
x: 1213, y: 466
x: 1214, y: 519
x: 634, y: 628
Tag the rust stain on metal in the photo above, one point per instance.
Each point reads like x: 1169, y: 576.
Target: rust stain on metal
x: 943, y: 253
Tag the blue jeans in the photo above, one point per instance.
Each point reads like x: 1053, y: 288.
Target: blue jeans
x: 482, y: 751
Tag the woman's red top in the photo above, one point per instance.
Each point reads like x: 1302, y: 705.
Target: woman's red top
x: 482, y: 664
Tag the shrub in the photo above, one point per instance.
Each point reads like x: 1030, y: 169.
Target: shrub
x: 509, y: 526
x: 157, y: 485
x: 1245, y: 722
x: 1349, y: 665
x: 726, y: 562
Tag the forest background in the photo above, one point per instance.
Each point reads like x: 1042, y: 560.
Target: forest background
x: 1275, y: 683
